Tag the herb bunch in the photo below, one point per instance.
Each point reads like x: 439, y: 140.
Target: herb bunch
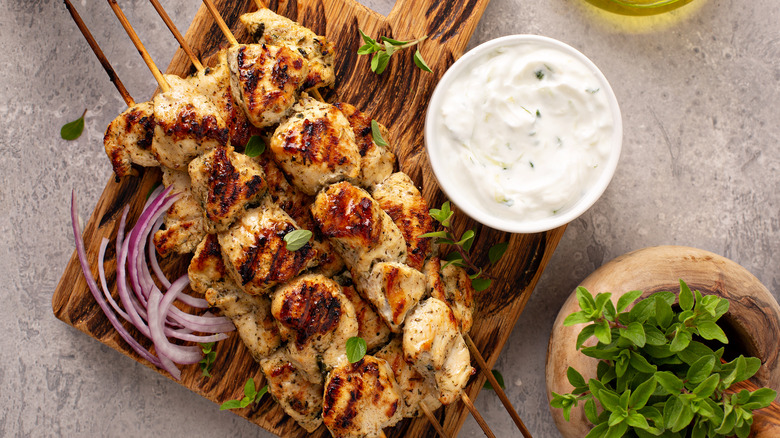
x: 383, y: 49
x: 461, y: 247
x: 655, y: 378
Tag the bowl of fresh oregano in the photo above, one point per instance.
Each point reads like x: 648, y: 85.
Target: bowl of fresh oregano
x: 658, y: 342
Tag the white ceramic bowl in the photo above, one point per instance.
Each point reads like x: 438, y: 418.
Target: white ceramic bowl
x: 438, y: 150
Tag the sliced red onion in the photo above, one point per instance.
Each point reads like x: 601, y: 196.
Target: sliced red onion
x: 82, y: 256
x: 144, y: 305
x: 104, y: 284
x: 153, y: 255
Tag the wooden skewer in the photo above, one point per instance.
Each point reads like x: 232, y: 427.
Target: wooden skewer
x: 433, y: 420
x: 220, y: 22
x: 382, y: 434
x: 164, y: 86
x: 477, y: 416
x: 499, y: 391
x: 176, y: 34
x: 100, y: 55
x: 259, y: 4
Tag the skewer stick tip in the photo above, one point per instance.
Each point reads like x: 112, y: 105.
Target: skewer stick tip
x: 485, y: 369
x: 434, y: 422
x: 477, y: 416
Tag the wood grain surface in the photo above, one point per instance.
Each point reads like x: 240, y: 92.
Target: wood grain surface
x: 398, y: 98
x: 751, y: 324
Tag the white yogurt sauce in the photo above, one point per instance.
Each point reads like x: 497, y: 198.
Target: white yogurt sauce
x: 529, y: 130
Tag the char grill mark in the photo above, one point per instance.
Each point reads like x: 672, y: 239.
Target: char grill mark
x: 310, y: 311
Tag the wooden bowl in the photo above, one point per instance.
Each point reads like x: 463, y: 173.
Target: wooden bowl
x: 752, y: 323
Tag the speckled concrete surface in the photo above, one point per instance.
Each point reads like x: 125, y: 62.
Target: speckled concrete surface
x: 699, y: 90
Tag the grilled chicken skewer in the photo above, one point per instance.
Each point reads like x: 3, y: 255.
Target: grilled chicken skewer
x: 264, y: 79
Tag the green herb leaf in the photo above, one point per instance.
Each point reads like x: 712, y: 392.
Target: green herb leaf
x: 480, y: 284
x: 250, y: 390
x: 590, y: 411
x: 599, y: 431
x: 708, y: 386
x: 499, y: 379
x: 636, y: 420
x: 356, y: 349
x: 603, y: 332
x: 230, y: 404
x: 585, y: 334
x: 668, y: 381
x: 635, y: 333
x: 385, y: 39
x: 577, y: 318
x: 642, y: 394
x: 255, y: 146
x: 367, y: 39
x: 497, y: 251
x: 626, y: 299
x: 682, y: 337
x: 663, y: 312
x: 367, y: 49
x: 639, y: 363
x: 575, y: 378
x: 376, y: 134
x: 296, y: 239
x: 379, y: 62
x: 700, y: 369
x: 72, y: 130
x: 709, y: 330
x: 761, y: 398
x: 587, y: 303
x: 420, y: 62
x: 686, y: 296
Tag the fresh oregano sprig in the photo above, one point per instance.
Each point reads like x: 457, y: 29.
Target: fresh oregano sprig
x: 209, y: 356
x: 654, y: 376
x: 383, y: 49
x: 72, y: 130
x: 462, y: 245
x: 251, y: 395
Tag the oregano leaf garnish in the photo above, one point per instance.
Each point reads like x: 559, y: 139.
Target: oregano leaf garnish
x: 356, y: 349
x: 255, y: 146
x: 72, y: 130
x: 296, y: 239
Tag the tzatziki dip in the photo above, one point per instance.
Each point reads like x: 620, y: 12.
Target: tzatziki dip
x: 526, y: 130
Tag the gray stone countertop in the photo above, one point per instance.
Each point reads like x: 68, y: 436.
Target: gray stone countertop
x: 699, y: 90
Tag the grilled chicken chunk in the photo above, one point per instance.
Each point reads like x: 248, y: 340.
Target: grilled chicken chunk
x: 214, y: 83
x: 400, y: 199
x: 226, y: 184
x: 415, y: 389
x: 187, y: 124
x: 256, y: 254
x: 453, y: 286
x: 376, y: 162
x: 357, y: 228
x: 394, y: 289
x: 434, y: 345
x: 316, y: 319
x: 371, y: 327
x: 316, y: 146
x: 185, y: 222
x: 264, y: 81
x: 300, y: 398
x: 266, y: 27
x: 128, y: 139
x: 298, y: 205
x: 361, y: 399
x: 249, y: 313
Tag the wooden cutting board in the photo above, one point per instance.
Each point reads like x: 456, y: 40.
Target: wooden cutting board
x: 398, y: 98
